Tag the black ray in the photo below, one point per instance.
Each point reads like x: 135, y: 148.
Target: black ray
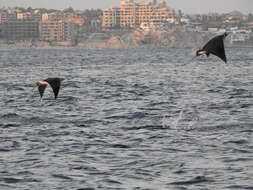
x: 215, y: 46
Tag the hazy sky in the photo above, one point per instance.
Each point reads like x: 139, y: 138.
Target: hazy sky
x: 187, y: 6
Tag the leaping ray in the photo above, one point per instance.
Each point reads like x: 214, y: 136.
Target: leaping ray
x: 214, y: 46
x: 55, y: 84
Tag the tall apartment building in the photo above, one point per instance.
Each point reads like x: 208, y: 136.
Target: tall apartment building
x: 5, y: 17
x: 132, y: 14
x: 17, y: 30
x: 29, y: 16
x: 52, y: 16
x: 111, y: 18
x: 52, y: 31
x: 24, y: 16
x: 58, y: 30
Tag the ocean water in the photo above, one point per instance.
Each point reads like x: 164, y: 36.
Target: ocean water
x: 141, y: 119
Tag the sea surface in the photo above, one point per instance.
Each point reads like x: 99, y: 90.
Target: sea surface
x: 126, y: 119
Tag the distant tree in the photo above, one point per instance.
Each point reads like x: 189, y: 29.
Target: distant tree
x: 250, y: 16
x: 51, y: 10
x: 69, y: 10
x: 20, y: 8
x: 92, y: 14
x: 43, y: 10
x: 180, y: 13
x: 29, y: 9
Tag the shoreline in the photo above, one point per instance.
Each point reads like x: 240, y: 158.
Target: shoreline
x: 101, y: 46
x: 135, y: 39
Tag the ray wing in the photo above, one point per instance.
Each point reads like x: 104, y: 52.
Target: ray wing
x: 55, y: 84
x: 42, y: 90
x: 216, y: 47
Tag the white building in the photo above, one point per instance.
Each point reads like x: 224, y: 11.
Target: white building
x: 239, y: 35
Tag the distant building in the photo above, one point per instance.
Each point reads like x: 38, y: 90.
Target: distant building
x: 131, y: 14
x: 4, y: 17
x: 52, y: 31
x: 239, y: 35
x: 45, y: 17
x: 212, y: 30
x: 111, y: 18
x: 149, y: 26
x: 24, y: 16
x: 29, y: 16
x: 11, y: 16
x: 75, y: 19
x: 58, y: 31
x: 184, y: 20
x: 194, y: 27
x: 55, y: 16
x: 37, y: 16
x: 18, y: 30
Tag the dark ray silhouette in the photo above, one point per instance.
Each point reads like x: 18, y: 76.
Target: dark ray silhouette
x: 55, y: 84
x: 214, y: 46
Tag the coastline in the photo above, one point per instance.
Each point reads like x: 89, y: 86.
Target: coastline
x: 133, y: 39
x: 99, y: 46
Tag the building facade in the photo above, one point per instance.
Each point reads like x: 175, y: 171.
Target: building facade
x: 24, y: 16
x: 131, y: 14
x: 58, y: 30
x: 19, y: 30
x: 5, y: 17
x: 111, y: 18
